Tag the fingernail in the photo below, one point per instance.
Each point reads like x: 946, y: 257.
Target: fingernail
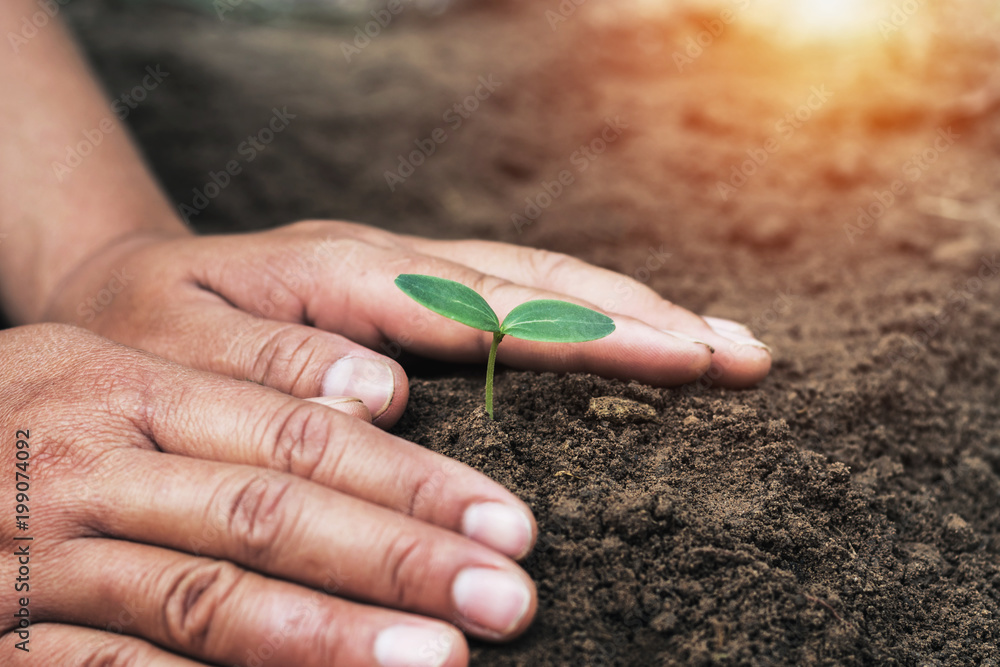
x: 499, y: 526
x: 411, y: 646
x: 335, y: 401
x: 491, y: 599
x: 370, y: 380
x: 741, y: 339
x: 688, y: 339
x: 719, y: 325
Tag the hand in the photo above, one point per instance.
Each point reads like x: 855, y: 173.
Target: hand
x: 174, y: 510
x: 311, y: 310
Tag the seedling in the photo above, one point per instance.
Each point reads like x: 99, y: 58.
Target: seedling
x: 543, y: 320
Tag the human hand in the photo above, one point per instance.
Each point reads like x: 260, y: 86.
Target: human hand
x: 176, y: 511
x: 282, y: 307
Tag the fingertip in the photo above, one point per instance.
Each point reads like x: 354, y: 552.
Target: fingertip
x: 494, y: 604
x: 720, y: 325
x: 379, y: 382
x: 690, y: 357
x: 739, y: 365
x: 354, y: 407
x: 510, y: 530
x: 741, y: 359
x: 641, y: 352
x: 689, y: 339
x: 421, y: 645
x: 753, y: 370
x: 400, y: 397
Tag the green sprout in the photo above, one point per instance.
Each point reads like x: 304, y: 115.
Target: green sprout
x: 543, y: 320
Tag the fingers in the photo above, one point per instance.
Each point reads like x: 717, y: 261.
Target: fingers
x: 366, y: 307
x: 293, y: 358
x: 217, y: 613
x: 147, y: 474
x: 56, y: 644
x: 289, y: 528
x: 739, y: 359
x: 351, y: 292
x: 204, y: 417
x: 636, y: 350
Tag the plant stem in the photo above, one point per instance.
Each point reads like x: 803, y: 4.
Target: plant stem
x: 497, y: 337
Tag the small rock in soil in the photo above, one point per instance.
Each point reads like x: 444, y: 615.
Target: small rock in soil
x: 959, y: 535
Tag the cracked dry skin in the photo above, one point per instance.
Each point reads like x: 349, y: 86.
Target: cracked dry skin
x: 845, y: 511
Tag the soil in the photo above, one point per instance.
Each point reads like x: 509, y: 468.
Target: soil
x: 843, y: 512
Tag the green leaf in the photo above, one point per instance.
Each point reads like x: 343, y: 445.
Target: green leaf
x: 453, y: 300
x: 551, y: 321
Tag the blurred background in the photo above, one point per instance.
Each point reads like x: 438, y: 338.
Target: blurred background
x: 702, y: 83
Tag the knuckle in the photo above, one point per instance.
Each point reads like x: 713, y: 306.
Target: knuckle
x: 406, y: 563
x: 121, y: 653
x: 544, y: 264
x: 485, y: 283
x: 256, y: 514
x: 301, y: 440
x: 194, y: 600
x: 421, y: 493
x: 490, y: 287
x: 284, y: 359
x: 75, y: 370
x: 331, y: 635
x: 114, y: 400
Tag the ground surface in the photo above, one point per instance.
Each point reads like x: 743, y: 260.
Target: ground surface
x: 843, y: 512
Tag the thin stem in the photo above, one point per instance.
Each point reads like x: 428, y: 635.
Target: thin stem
x: 497, y: 337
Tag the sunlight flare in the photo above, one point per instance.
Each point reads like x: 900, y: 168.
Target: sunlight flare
x: 834, y: 19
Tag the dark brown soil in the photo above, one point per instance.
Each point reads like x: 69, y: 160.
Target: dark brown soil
x: 843, y: 512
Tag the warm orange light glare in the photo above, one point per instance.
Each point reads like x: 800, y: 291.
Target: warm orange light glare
x: 831, y: 16
x: 822, y: 18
